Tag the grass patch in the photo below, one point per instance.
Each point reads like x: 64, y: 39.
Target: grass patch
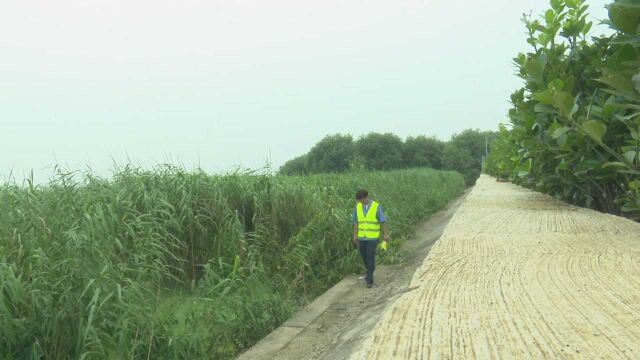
x: 166, y: 263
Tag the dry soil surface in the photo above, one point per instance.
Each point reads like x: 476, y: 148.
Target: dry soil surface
x: 519, y: 275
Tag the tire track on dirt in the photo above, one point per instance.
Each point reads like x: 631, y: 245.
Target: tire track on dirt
x: 518, y: 274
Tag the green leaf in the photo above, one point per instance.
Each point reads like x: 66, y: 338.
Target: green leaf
x: 625, y: 39
x: 556, y: 4
x: 555, y: 85
x: 543, y: 108
x: 544, y: 97
x: 630, y: 4
x: 564, y: 101
x: 562, y: 141
x: 568, y: 83
x: 549, y: 16
x: 563, y: 165
x: 624, y: 55
x: 594, y: 128
x: 543, y: 39
x: 534, y: 67
x: 571, y: 4
x: 609, y: 109
x: 636, y: 81
x: 616, y: 80
x: 561, y: 131
x: 520, y: 59
x: 632, y: 172
x: 625, y: 16
x: 615, y: 164
x: 631, y: 156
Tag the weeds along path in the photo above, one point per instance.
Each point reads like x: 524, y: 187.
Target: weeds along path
x: 518, y: 274
x: 349, y: 311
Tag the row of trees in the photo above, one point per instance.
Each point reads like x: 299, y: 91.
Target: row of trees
x: 574, y: 126
x: 375, y: 151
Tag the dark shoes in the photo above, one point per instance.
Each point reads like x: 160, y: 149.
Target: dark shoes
x: 369, y: 285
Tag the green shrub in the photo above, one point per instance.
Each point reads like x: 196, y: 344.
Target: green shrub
x: 575, y: 123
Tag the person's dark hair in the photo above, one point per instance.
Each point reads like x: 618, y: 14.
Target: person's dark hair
x: 361, y: 194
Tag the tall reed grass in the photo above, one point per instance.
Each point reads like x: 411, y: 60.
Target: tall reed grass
x: 171, y: 264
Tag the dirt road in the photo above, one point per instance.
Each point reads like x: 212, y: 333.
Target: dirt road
x: 519, y: 275
x: 336, y: 324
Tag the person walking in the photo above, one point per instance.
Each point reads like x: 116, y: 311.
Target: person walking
x: 368, y: 219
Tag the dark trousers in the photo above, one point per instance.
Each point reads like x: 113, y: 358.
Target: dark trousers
x: 368, y: 253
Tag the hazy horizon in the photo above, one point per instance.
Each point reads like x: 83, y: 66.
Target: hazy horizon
x: 227, y: 84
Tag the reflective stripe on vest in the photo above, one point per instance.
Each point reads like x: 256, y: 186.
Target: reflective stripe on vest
x: 368, y: 226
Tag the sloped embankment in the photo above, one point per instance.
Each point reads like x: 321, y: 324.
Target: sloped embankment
x: 518, y: 274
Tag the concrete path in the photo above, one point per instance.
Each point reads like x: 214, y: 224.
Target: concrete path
x: 336, y: 324
x: 519, y: 275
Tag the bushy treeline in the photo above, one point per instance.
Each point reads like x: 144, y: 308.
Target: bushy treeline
x: 575, y: 124
x: 374, y: 151
x: 168, y: 264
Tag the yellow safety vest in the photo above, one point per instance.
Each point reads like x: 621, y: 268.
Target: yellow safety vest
x: 368, y: 226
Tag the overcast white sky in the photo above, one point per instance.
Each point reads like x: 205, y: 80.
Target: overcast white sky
x: 226, y: 83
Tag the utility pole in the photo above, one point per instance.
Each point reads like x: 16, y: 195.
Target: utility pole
x: 486, y: 147
x: 486, y: 152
